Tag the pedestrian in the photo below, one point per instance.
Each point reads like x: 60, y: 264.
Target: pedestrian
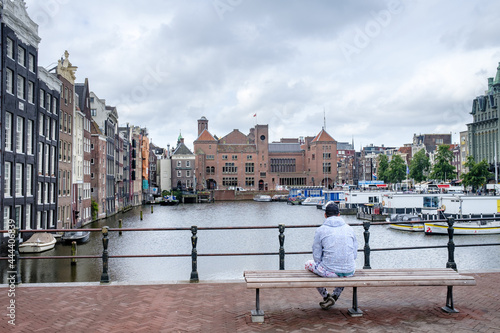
x: 335, y: 249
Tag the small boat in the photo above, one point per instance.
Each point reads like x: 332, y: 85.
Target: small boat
x: 262, y: 198
x: 398, y: 222
x: 313, y: 201
x: 38, y: 242
x: 280, y: 197
x: 78, y: 236
x: 169, y: 200
x: 464, y: 228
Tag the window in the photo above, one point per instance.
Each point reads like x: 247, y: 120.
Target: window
x: 249, y: 157
x: 210, y: 157
x: 7, y: 187
x: 28, y: 216
x: 179, y: 173
x: 19, y: 180
x: 40, y: 157
x: 31, y: 63
x: 29, y: 138
x: 224, y: 157
x: 249, y: 167
x: 54, y: 105
x: 93, y: 112
x: 10, y: 48
x: 69, y: 124
x: 21, y: 56
x: 249, y: 181
x: 229, y: 168
x: 31, y: 92
x: 52, y: 160
x: 234, y: 157
x: 188, y: 164
x: 327, y: 167
x: 29, y: 177
x: 179, y: 164
x: 20, y: 135
x: 8, y: 131
x: 66, y: 95
x: 42, y: 98
x: 229, y: 181
x: 10, y: 81
x: 47, y: 127
x: 188, y: 173
x: 40, y: 125
x: 327, y: 156
x: 53, y: 128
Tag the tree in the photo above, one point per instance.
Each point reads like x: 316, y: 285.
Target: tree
x: 397, y: 169
x: 419, y: 166
x: 443, y: 169
x: 478, y: 173
x: 383, y: 167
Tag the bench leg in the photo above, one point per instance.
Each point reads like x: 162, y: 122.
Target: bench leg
x: 355, y: 311
x: 449, y: 302
x: 257, y: 314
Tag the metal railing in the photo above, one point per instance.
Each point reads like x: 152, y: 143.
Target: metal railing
x: 14, y: 256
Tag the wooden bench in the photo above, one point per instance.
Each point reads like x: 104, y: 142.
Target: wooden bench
x: 362, y: 278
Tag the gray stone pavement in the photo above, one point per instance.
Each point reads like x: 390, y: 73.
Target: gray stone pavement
x: 225, y: 307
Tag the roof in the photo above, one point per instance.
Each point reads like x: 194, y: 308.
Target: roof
x: 323, y: 136
x: 182, y: 150
x: 205, y: 136
x: 284, y: 147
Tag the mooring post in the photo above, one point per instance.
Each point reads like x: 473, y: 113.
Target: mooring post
x: 105, y: 240
x: 366, y: 234
x: 17, y: 279
x: 282, y: 249
x: 451, y: 245
x: 194, y: 255
x: 141, y: 214
x: 151, y: 209
x: 73, y: 252
x: 120, y: 226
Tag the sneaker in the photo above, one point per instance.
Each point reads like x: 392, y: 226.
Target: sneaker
x: 328, y: 302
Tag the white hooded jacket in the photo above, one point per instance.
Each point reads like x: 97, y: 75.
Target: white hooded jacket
x: 335, y: 246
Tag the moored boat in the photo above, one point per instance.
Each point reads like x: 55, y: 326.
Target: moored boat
x: 407, y: 222
x: 313, y: 201
x: 78, y: 236
x: 169, y: 200
x: 262, y: 198
x: 464, y: 228
x: 38, y: 242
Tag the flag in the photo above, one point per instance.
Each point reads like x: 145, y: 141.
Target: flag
x: 255, y: 114
x: 374, y: 176
x: 407, y: 170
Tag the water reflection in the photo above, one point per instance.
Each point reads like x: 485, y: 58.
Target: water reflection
x: 227, y: 214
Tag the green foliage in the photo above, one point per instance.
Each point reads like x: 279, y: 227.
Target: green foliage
x: 383, y: 167
x: 478, y: 173
x: 443, y: 169
x: 94, y: 209
x: 419, y: 166
x: 397, y: 169
x: 165, y: 193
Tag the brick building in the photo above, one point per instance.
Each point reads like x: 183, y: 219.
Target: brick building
x: 252, y: 162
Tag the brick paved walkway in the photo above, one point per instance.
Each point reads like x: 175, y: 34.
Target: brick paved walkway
x: 225, y: 307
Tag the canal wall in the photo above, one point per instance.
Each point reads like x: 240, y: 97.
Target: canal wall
x: 233, y: 195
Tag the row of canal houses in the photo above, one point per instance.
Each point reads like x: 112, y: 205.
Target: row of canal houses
x: 65, y: 159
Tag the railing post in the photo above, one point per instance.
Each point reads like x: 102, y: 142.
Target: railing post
x: 194, y: 255
x: 17, y: 234
x: 366, y: 234
x: 451, y: 245
x: 282, y: 249
x: 105, y: 240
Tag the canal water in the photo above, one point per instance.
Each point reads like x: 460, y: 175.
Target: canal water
x: 236, y: 214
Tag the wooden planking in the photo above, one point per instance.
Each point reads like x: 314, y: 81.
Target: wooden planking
x: 362, y: 278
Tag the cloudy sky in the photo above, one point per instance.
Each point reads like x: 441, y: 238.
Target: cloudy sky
x: 379, y: 70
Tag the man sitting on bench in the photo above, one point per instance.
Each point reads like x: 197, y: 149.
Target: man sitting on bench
x: 335, y: 249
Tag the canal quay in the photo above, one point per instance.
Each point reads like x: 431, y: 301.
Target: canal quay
x: 154, y: 294
x: 223, y: 267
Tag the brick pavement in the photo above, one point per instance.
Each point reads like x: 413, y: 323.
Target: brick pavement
x: 225, y: 307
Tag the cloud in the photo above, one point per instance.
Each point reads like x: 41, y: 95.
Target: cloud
x: 378, y: 70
